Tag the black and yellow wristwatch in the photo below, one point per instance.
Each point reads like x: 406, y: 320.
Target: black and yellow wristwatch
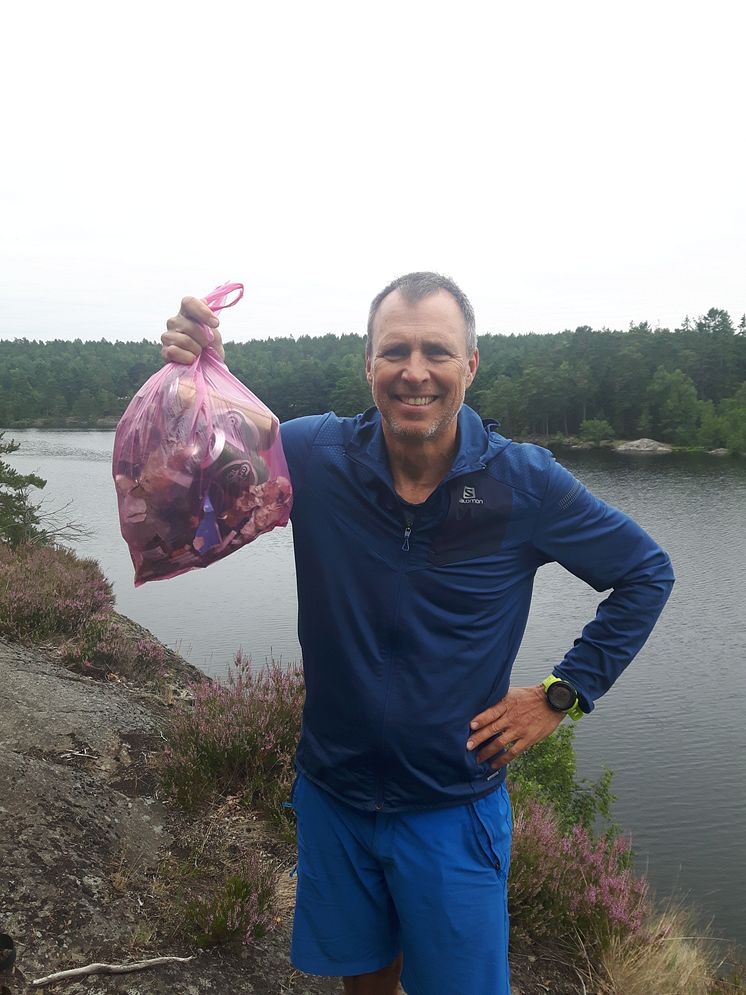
x: 562, y: 697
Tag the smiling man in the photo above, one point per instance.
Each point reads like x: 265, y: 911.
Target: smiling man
x: 418, y: 530
x: 419, y: 362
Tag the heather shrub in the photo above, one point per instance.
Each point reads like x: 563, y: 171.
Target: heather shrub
x: 239, y: 908
x: 47, y: 592
x: 569, y: 886
x: 102, y: 645
x: 240, y: 737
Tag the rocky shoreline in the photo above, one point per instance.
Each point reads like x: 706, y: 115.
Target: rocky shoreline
x: 85, y: 834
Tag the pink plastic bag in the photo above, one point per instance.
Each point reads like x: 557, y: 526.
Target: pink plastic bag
x: 198, y: 465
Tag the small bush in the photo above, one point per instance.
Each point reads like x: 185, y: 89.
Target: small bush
x: 568, y: 885
x: 596, y: 430
x: 547, y: 773
x: 240, y: 737
x: 240, y: 908
x: 47, y: 592
x: 103, y: 645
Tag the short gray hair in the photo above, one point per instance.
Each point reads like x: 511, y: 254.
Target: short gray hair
x: 413, y: 287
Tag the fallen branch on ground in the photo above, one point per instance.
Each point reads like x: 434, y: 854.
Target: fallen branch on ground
x: 77, y: 972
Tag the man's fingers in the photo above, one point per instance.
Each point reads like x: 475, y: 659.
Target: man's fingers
x: 513, y: 751
x: 183, y: 328
x: 217, y: 343
x: 184, y: 341
x: 488, y: 716
x: 515, y: 723
x: 497, y: 745
x: 173, y: 354
x: 196, y: 310
x: 486, y: 730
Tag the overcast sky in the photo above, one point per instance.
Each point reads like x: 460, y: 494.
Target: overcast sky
x: 566, y: 162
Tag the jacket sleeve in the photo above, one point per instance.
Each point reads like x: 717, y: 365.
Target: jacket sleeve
x: 298, y: 436
x: 602, y: 546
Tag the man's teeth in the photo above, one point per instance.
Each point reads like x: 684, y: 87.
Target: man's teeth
x: 418, y: 401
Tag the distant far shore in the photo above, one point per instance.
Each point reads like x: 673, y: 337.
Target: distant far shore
x: 555, y: 441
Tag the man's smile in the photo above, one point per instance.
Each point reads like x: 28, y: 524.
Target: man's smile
x: 417, y: 401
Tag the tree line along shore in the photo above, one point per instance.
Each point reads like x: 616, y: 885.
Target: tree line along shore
x: 685, y: 386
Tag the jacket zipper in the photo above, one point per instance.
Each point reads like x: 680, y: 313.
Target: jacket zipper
x: 408, y: 526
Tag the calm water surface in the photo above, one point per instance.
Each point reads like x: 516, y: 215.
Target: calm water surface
x: 672, y: 728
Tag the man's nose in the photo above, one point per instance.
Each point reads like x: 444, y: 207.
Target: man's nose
x: 416, y: 368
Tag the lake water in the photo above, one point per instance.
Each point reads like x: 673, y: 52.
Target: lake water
x: 673, y: 728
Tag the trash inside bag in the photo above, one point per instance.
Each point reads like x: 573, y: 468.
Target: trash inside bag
x: 198, y: 465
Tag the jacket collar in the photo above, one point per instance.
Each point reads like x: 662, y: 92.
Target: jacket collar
x: 478, y: 442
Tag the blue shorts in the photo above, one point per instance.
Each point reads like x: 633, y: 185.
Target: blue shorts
x: 431, y: 884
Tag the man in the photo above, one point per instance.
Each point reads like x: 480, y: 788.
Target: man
x: 418, y: 530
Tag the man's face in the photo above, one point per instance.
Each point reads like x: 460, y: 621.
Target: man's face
x: 418, y: 366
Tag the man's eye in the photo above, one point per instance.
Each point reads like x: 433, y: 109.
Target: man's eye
x: 394, y: 353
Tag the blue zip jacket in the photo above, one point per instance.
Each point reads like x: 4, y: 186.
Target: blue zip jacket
x: 410, y: 617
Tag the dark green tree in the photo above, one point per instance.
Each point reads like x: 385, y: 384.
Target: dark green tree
x: 713, y: 429
x: 674, y: 407
x: 19, y: 516
x: 733, y: 413
x: 351, y: 392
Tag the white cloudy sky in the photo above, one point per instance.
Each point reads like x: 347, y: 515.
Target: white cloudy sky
x: 566, y: 162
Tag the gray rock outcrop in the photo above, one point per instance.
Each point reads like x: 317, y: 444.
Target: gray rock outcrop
x: 643, y: 446
x: 79, y: 814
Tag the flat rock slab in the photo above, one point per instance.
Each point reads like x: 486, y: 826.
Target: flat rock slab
x: 49, y: 710
x: 643, y: 446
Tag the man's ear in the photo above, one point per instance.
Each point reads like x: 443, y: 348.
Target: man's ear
x: 368, y: 370
x: 473, y: 364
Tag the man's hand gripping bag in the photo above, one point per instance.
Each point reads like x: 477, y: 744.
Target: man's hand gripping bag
x: 198, y: 465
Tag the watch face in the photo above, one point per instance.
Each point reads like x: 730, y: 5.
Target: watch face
x: 561, y: 696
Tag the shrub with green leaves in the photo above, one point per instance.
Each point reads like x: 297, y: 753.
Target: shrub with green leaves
x: 548, y: 773
x: 596, y: 430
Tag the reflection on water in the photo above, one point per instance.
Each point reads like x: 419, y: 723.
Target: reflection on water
x: 672, y: 728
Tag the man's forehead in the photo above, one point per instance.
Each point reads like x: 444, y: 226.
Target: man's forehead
x: 437, y: 313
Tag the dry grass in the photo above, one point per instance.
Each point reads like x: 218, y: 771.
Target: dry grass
x: 672, y: 960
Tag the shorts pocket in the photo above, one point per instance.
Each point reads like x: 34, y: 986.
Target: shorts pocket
x: 493, y: 826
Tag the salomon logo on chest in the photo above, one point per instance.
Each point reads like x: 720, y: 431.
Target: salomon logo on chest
x: 469, y: 496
